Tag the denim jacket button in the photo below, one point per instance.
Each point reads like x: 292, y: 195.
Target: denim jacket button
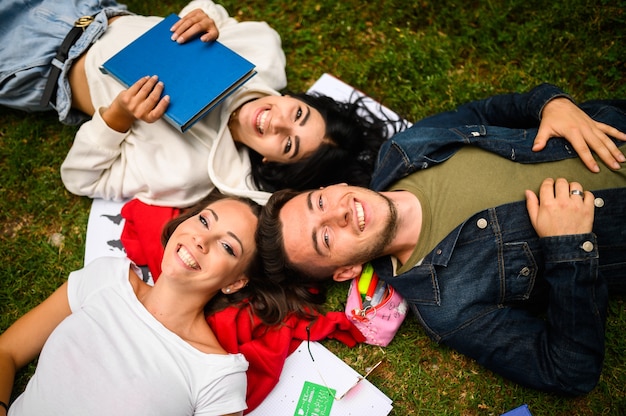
x: 598, y: 202
x: 587, y: 246
x: 525, y: 271
x: 481, y: 223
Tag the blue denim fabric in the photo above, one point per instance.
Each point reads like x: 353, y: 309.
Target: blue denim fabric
x: 531, y: 309
x: 30, y: 34
x: 505, y: 125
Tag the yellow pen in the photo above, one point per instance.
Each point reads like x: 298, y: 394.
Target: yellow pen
x: 366, y: 278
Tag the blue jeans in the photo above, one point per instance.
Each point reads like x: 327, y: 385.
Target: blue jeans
x: 30, y: 34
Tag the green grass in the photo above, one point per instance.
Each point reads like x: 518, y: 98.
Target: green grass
x: 417, y: 58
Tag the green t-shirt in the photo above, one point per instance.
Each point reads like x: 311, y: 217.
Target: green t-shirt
x: 474, y: 179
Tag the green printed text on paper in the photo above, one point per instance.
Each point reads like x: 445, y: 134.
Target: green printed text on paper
x: 315, y: 400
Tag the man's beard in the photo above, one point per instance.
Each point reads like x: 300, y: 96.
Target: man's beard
x: 378, y: 248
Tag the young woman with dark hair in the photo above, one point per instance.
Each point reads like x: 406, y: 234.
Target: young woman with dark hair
x: 353, y: 136
x: 109, y: 343
x: 124, y: 148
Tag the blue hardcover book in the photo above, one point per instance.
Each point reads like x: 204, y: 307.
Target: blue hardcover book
x: 196, y: 75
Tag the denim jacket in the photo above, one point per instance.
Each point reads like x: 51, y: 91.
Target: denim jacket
x: 481, y: 289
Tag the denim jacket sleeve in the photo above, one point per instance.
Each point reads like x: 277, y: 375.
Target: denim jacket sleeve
x: 497, y: 124
x: 515, y: 110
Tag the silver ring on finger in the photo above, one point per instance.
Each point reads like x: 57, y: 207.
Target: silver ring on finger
x: 577, y: 192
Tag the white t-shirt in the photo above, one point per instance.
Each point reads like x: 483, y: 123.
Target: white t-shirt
x: 112, y: 357
x: 153, y: 161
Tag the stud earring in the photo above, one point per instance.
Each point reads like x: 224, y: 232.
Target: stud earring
x: 227, y: 290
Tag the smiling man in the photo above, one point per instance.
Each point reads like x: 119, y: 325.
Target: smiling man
x: 367, y: 225
x: 508, y: 263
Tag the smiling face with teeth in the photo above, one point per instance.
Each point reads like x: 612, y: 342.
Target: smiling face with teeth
x: 337, y: 226
x: 280, y: 128
x: 215, y: 246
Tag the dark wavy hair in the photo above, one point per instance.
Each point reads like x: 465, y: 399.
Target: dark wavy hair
x: 269, y: 299
x: 355, y: 134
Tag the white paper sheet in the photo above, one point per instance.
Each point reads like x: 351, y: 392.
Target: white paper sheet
x: 340, y: 91
x: 104, y: 229
x: 327, y: 371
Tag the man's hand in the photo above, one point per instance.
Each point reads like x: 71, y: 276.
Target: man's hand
x: 193, y: 24
x: 562, y: 208
x: 142, y: 101
x: 563, y: 118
